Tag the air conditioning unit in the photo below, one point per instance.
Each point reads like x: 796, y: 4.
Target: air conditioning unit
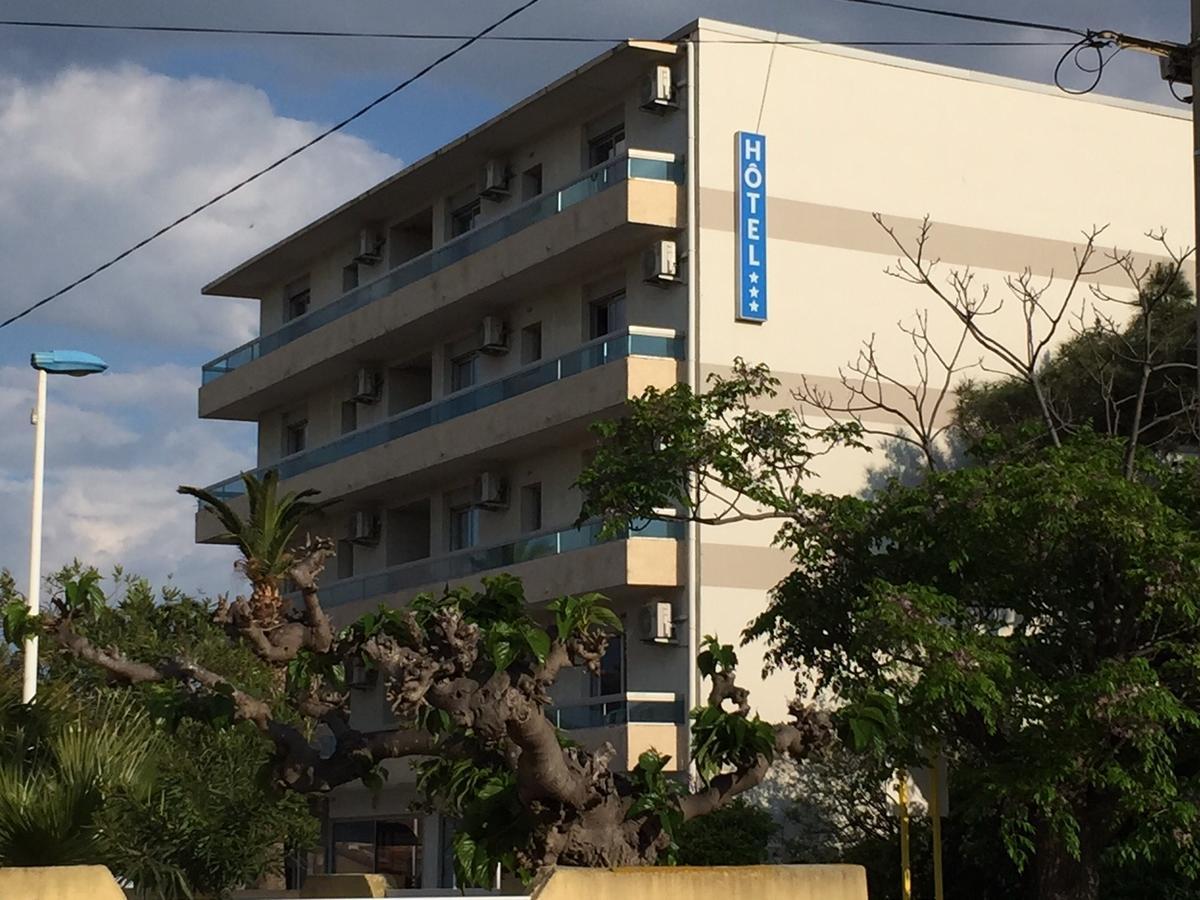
x: 494, y: 337
x: 367, y: 386
x: 494, y: 182
x: 660, y: 264
x: 658, y: 91
x: 491, y: 491
x: 363, y: 528
x: 370, y: 247
x: 658, y: 623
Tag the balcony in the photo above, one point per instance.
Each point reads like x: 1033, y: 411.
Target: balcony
x: 633, y: 723
x: 605, y: 351
x: 612, y: 209
x: 653, y: 563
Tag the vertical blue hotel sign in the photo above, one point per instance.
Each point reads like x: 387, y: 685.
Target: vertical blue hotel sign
x: 752, y: 227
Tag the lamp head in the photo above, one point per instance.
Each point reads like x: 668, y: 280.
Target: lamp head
x: 68, y: 362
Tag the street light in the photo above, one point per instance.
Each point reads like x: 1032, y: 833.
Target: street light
x: 53, y: 362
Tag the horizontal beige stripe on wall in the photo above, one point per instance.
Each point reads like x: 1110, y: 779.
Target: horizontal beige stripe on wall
x: 962, y: 245
x: 739, y: 566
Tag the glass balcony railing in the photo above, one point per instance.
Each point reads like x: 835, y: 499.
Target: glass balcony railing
x: 464, y: 563
x: 632, y: 342
x: 589, y: 184
x: 619, y: 709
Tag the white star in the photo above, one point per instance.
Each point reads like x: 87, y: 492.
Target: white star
x: 753, y: 292
x: 754, y: 278
x: 753, y: 306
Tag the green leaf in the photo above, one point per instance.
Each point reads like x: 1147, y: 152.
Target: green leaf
x: 538, y: 642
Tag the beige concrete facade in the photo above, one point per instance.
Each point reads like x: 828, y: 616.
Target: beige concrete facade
x: 1009, y: 173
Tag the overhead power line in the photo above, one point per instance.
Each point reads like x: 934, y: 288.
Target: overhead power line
x: 972, y: 17
x: 503, y: 38
x: 274, y: 165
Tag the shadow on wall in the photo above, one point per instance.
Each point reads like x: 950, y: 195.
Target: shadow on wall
x: 905, y: 463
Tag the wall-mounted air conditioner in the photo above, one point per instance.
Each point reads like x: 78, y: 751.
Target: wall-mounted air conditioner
x: 660, y: 263
x: 370, y: 247
x: 363, y: 528
x: 367, y: 386
x: 491, y: 491
x: 493, y: 335
x: 494, y: 180
x: 657, y: 621
x: 658, y: 90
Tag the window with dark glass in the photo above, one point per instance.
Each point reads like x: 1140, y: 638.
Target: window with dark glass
x: 462, y: 372
x: 350, y: 277
x: 531, y: 343
x: 462, y: 527
x: 463, y: 218
x: 531, y: 183
x: 295, y: 435
x: 611, y: 679
x: 296, y: 298
x: 345, y: 559
x: 531, y: 508
x: 606, y: 315
x: 606, y: 145
x: 386, y: 846
x: 349, y: 416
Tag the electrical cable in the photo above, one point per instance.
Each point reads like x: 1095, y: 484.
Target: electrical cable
x: 1096, y: 43
x: 512, y: 38
x: 971, y: 17
x: 274, y: 165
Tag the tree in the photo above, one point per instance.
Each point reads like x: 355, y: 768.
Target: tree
x: 1035, y: 615
x: 62, y: 761
x: 736, y: 835
x: 467, y: 674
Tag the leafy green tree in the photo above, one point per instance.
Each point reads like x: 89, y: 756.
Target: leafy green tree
x: 468, y: 675
x: 1034, y: 615
x: 736, y: 835
x: 63, y: 760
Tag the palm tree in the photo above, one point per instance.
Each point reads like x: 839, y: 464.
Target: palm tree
x: 264, y: 536
x: 61, y: 763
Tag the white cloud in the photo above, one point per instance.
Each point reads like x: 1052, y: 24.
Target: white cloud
x: 95, y: 159
x: 115, y: 503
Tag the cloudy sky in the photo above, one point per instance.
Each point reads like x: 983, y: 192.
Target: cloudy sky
x: 106, y: 136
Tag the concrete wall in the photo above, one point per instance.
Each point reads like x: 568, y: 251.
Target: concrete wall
x: 1010, y: 173
x: 59, y: 883
x: 707, y: 883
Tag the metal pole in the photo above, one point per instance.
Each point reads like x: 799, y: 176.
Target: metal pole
x: 905, y: 863
x: 29, y: 684
x: 935, y: 820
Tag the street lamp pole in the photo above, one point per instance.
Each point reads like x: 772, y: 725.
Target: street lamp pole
x: 58, y: 362
x: 29, y: 682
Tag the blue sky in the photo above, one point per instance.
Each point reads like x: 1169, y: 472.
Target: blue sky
x: 106, y: 136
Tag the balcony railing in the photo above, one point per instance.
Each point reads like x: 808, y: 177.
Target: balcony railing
x: 542, y: 207
x: 464, y: 563
x: 629, y: 708
x: 653, y: 342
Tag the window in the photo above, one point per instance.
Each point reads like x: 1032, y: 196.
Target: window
x: 463, y: 218
x: 531, y: 508
x: 462, y: 527
x: 531, y: 343
x: 531, y: 183
x: 296, y: 298
x: 606, y: 315
x: 345, y: 559
x: 295, y: 434
x: 611, y: 679
x: 349, y: 416
x: 387, y: 846
x: 350, y: 277
x: 462, y: 372
x: 606, y: 145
